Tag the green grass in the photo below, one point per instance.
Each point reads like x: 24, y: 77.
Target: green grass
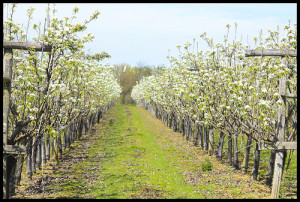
x: 131, y: 154
x: 289, y: 180
x: 138, y: 168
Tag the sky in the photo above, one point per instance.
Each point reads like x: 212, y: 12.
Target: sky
x: 140, y: 34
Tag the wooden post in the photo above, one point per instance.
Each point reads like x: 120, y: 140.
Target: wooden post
x: 280, y: 146
x: 279, y: 155
x: 7, y: 75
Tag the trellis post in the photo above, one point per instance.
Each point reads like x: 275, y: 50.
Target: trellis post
x: 8, y: 47
x: 7, y: 75
x: 279, y: 146
x: 279, y: 155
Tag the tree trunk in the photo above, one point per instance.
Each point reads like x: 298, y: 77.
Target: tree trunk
x: 256, y: 163
x: 245, y: 164
x: 183, y: 127
x: 206, y: 139
x: 92, y: 119
x: 80, y: 126
x: 48, y: 147
x: 99, y: 116
x: 201, y: 137
x: 269, y: 175
x: 188, y: 134
x: 166, y: 118
x: 187, y: 126
x: 229, y: 156
x: 19, y: 169
x: 38, y: 153
x: 66, y: 137
x: 210, y: 141
x: 19, y: 166
x: 86, y: 125
x: 76, y: 129
x: 11, y: 169
x: 44, y: 158
x: 69, y: 134
x: 34, y: 150
x: 29, y: 159
x: 59, y: 145
x: 174, y: 124
x: 170, y: 120
x: 55, y: 148
x: 196, y: 136
x: 220, y: 146
x: 192, y: 132
x: 235, y: 152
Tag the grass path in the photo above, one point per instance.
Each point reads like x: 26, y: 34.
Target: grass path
x: 131, y: 154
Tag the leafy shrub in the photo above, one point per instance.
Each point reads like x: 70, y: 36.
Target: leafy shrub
x: 206, y: 165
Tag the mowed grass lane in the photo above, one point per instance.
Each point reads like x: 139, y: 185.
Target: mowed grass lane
x: 131, y: 154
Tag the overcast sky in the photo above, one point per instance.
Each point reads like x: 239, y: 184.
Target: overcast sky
x: 138, y: 34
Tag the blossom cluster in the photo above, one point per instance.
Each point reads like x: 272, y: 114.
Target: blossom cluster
x: 221, y: 87
x: 53, y: 88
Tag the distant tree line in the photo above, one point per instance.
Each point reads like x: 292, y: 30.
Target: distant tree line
x: 128, y: 76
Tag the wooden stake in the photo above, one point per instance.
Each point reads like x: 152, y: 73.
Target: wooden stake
x: 7, y: 73
x: 279, y: 156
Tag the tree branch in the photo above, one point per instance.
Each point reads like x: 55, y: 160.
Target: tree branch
x: 19, y: 127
